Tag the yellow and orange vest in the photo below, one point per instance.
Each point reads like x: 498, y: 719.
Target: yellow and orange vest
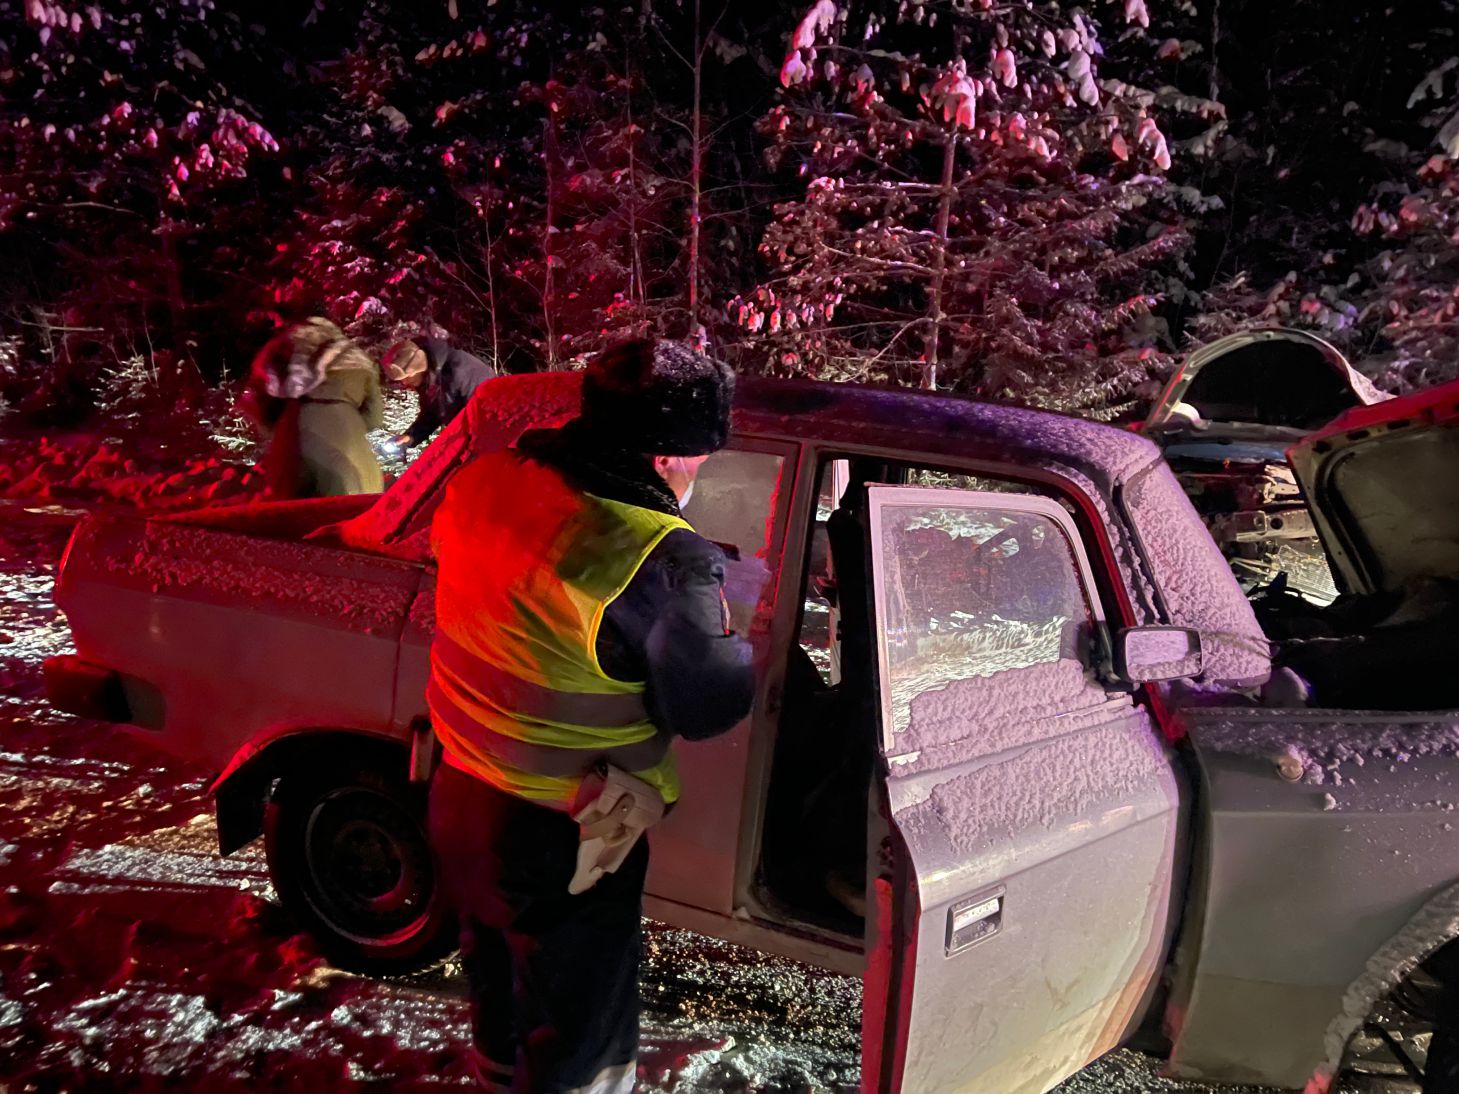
x: 526, y: 568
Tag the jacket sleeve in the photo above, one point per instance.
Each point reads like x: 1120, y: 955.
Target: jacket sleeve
x: 669, y: 628
x: 701, y: 678
x: 428, y: 420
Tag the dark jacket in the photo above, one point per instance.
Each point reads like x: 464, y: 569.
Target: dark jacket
x: 452, y: 375
x: 669, y: 627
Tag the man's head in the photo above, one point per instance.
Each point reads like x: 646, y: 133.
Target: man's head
x: 405, y: 363
x: 679, y: 472
x: 664, y: 399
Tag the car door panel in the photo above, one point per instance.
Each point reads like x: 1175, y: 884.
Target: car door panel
x: 1038, y: 814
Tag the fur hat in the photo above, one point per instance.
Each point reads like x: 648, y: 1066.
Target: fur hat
x: 299, y: 360
x: 404, y: 360
x: 658, y: 397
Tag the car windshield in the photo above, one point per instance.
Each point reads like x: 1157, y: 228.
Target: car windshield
x: 500, y: 412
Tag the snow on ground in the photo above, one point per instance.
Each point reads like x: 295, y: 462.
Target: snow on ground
x: 132, y: 955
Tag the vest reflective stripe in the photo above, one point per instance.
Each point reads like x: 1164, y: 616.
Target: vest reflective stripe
x: 522, y: 697
x: 527, y: 567
x: 552, y: 761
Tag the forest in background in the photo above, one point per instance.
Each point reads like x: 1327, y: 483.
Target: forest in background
x: 1043, y: 202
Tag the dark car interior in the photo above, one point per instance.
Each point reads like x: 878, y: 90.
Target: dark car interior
x: 813, y: 860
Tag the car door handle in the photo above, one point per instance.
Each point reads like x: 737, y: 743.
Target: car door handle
x: 972, y: 920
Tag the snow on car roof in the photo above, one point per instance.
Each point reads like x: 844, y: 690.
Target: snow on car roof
x: 932, y: 422
x: 503, y: 408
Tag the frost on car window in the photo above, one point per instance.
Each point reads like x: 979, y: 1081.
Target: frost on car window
x: 971, y: 592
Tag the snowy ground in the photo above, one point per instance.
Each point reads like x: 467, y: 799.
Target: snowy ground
x: 131, y: 955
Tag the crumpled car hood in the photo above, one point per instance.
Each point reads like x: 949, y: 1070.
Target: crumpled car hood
x: 1260, y: 384
x: 1382, y: 482
x: 1225, y: 422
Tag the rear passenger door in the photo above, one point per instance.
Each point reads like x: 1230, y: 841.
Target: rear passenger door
x: 1021, y: 897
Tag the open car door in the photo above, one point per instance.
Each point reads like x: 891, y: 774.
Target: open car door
x: 1020, y: 895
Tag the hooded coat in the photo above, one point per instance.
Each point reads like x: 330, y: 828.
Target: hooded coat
x: 452, y: 376
x: 314, y: 396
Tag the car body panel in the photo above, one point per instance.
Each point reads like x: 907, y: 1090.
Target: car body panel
x: 1271, y: 376
x: 224, y: 638
x: 1384, y: 484
x: 1356, y: 837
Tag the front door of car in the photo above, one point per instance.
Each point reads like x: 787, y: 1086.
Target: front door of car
x: 1020, y: 900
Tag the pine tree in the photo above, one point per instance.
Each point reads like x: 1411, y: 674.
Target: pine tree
x: 986, y: 210
x: 123, y: 138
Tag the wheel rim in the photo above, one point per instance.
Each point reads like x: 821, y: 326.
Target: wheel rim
x: 370, y: 875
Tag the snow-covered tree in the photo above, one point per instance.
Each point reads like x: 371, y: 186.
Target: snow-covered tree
x: 123, y: 135
x: 1370, y: 258
x: 986, y: 206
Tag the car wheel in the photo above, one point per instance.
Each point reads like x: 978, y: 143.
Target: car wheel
x: 349, y: 857
x: 1441, y: 1068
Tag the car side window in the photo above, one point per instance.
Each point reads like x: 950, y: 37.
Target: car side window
x: 973, y: 591
x: 734, y: 504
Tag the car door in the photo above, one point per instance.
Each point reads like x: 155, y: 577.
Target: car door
x: 1021, y: 897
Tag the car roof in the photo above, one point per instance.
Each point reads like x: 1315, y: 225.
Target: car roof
x: 881, y: 420
x: 893, y: 419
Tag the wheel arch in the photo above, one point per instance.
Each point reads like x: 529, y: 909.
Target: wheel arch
x: 1432, y: 931
x: 241, y: 793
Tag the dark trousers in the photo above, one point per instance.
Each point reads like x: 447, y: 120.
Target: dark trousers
x: 553, y: 977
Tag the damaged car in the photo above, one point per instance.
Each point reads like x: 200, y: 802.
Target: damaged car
x: 1225, y: 421
x: 1020, y: 758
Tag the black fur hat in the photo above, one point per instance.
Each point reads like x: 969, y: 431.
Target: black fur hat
x: 659, y: 397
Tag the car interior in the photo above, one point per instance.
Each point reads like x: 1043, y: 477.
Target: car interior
x: 813, y: 864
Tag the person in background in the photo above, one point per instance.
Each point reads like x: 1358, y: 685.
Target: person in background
x: 313, y: 395
x: 445, y: 378
x: 580, y: 627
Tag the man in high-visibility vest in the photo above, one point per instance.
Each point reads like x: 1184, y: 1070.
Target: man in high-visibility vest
x: 580, y: 626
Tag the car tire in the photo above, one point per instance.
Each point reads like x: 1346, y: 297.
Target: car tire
x: 349, y: 857
x: 1441, y: 1067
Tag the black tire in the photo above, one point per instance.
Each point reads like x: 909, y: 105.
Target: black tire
x: 1441, y: 1068
x: 348, y: 853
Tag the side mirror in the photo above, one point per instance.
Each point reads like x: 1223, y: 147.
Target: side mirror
x: 1145, y: 655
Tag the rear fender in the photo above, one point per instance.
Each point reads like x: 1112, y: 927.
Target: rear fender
x: 241, y: 792
x: 1432, y: 928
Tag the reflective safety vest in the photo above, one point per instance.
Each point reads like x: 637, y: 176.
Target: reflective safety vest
x: 526, y: 568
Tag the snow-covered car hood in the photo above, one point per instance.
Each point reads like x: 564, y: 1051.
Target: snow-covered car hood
x: 1382, y: 482
x: 1258, y: 386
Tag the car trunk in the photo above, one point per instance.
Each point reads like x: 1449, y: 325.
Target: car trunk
x: 286, y: 520
x: 1225, y: 422
x: 1383, y: 485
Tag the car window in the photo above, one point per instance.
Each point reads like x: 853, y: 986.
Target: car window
x: 969, y: 591
x: 733, y: 504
